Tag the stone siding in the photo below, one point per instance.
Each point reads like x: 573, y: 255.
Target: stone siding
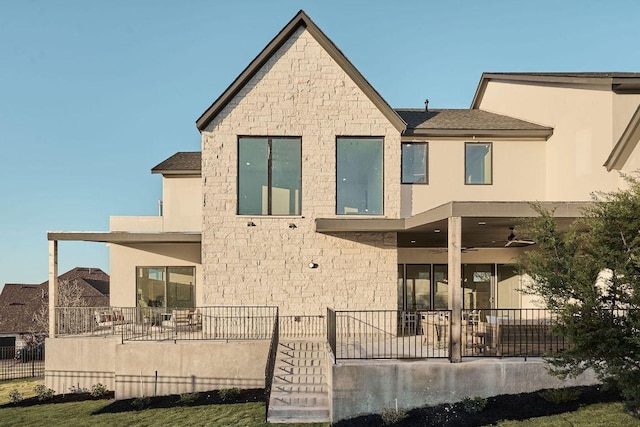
x: 300, y: 91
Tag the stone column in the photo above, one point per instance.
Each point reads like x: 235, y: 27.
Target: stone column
x: 454, y: 259
x: 53, y: 286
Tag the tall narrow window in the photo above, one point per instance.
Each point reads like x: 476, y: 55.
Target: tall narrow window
x: 415, y: 167
x: 478, y: 163
x: 269, y: 176
x: 359, y: 176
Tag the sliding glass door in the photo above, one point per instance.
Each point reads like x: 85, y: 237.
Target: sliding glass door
x: 168, y: 287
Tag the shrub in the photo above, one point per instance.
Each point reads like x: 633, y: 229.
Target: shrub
x: 15, y: 396
x: 43, y: 392
x: 392, y: 416
x: 560, y: 395
x: 77, y: 390
x: 98, y: 390
x: 188, y: 398
x: 140, y: 403
x: 473, y: 405
x: 229, y: 394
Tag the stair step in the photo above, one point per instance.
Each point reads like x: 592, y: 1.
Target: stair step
x: 296, y: 415
x: 299, y: 388
x: 301, y: 345
x: 298, y: 361
x: 308, y: 400
x: 300, y: 370
x: 298, y: 379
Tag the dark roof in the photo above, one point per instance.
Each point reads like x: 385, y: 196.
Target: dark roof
x: 300, y: 20
x: 618, y: 82
x: 19, y: 302
x: 181, y: 162
x: 465, y: 122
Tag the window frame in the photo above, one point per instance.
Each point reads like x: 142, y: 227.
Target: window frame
x: 166, y: 274
x: 269, y: 159
x: 426, y: 163
x: 467, y: 144
x: 371, y: 137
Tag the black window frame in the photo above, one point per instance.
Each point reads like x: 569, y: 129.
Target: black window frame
x: 269, y: 139
x: 426, y: 163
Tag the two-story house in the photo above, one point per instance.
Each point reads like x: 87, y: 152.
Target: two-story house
x: 311, y: 192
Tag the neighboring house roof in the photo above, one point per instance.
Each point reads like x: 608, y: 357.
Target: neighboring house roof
x: 465, y: 122
x: 626, y: 144
x: 618, y: 82
x: 301, y: 19
x: 183, y: 162
x: 19, y: 302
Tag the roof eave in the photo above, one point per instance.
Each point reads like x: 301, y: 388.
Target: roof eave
x: 543, y: 134
x: 301, y: 19
x: 185, y: 172
x: 625, y: 145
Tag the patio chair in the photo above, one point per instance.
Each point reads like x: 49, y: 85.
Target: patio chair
x: 181, y: 318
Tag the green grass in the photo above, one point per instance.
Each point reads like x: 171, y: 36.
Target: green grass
x: 25, y: 387
x: 600, y: 414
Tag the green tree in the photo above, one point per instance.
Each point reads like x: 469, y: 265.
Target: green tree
x: 589, y: 275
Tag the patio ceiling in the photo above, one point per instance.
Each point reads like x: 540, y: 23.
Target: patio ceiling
x: 484, y: 224
x: 124, y: 237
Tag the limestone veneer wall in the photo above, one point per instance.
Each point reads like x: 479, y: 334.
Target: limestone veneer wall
x: 301, y: 92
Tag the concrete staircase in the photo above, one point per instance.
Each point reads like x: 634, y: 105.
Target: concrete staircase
x: 299, y: 392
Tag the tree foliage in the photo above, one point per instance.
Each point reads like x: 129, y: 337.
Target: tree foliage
x: 589, y: 275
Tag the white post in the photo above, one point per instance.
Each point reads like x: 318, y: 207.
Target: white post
x: 454, y: 259
x: 53, y: 286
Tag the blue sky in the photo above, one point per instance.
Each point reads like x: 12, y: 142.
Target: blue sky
x: 94, y: 94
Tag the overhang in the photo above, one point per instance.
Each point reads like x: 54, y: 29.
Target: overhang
x: 625, y: 145
x: 125, y: 237
x: 485, y: 224
x: 537, y: 134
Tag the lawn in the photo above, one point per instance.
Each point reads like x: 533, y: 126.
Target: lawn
x: 239, y: 414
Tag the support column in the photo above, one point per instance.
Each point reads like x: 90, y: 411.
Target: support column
x: 454, y: 260
x: 53, y: 286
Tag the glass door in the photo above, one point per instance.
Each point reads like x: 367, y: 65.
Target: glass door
x: 167, y: 287
x: 477, y: 286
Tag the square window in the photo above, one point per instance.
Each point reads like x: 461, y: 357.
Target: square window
x: 269, y: 176
x: 415, y: 166
x: 359, y: 176
x: 478, y: 163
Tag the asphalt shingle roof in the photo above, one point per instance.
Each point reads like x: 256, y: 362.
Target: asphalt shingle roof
x: 181, y: 161
x: 462, y: 119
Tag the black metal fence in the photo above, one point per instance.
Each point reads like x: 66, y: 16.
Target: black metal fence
x: 510, y: 333
x: 26, y: 362
x: 389, y: 334
x: 271, y: 360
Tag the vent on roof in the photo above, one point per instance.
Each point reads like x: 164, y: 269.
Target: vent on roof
x: 426, y: 104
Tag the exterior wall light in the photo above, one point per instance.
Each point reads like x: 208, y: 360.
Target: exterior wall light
x: 251, y: 224
x: 313, y: 265
x: 292, y: 225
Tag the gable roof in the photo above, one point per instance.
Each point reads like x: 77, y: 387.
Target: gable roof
x: 183, y: 162
x: 466, y: 122
x: 626, y: 144
x: 618, y: 82
x: 19, y: 302
x: 301, y: 19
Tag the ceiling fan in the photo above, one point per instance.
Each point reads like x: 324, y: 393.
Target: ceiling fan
x: 515, y: 242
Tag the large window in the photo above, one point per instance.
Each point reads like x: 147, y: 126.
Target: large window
x: 269, y: 176
x: 169, y: 287
x: 478, y: 163
x: 415, y: 166
x: 359, y: 176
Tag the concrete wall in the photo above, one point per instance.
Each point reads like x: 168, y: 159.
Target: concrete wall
x: 187, y: 367
x: 516, y: 165
x: 301, y: 92
x: 369, y: 387
x: 125, y: 259
x: 80, y: 362
x: 130, y: 368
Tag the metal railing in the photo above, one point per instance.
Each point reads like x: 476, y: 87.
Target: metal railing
x: 25, y: 362
x: 303, y: 326
x: 390, y: 334
x: 158, y: 324
x: 271, y: 360
x: 331, y: 331
x: 508, y: 332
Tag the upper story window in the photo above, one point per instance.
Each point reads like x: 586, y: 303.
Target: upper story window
x: 269, y: 176
x: 415, y: 166
x: 359, y: 176
x: 478, y: 159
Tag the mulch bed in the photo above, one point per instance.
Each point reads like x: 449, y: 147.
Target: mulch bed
x: 504, y: 407
x: 58, y: 398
